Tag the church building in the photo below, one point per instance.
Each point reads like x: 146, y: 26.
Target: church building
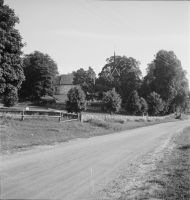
x: 64, y: 83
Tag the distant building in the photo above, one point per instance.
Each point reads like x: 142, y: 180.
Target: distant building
x: 64, y: 83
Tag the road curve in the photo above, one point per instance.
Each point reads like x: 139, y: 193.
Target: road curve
x: 78, y: 168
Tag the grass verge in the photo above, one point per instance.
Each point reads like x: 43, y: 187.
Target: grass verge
x: 174, y: 181
x: 16, y: 135
x: 168, y: 177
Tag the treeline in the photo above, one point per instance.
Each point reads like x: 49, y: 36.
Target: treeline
x: 164, y: 89
x: 25, y: 76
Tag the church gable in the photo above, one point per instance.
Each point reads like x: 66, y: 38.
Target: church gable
x: 66, y: 79
x: 64, y: 83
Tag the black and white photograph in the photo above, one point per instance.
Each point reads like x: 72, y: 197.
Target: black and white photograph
x: 94, y: 100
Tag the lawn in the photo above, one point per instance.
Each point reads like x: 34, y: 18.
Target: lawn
x: 16, y: 135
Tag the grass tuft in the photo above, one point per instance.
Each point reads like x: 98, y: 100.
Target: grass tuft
x: 99, y: 123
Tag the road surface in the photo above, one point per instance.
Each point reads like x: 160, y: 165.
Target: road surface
x: 79, y: 169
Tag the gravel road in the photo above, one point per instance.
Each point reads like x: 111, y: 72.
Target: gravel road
x: 79, y: 169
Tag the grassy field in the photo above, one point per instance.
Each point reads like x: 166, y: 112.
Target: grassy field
x: 16, y: 135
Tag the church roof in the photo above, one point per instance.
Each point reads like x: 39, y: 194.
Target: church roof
x: 65, y: 79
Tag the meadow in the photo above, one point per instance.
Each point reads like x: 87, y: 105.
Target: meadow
x: 17, y: 135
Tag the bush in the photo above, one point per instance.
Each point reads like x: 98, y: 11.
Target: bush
x: 111, y: 101
x: 46, y: 101
x: 76, y: 100
x: 155, y: 104
x: 133, y: 104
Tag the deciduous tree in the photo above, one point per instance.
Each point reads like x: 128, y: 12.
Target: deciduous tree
x: 129, y: 75
x: 133, y: 104
x: 86, y: 79
x: 40, y: 71
x: 111, y: 101
x: 155, y: 104
x: 76, y: 100
x: 166, y: 77
x: 11, y: 66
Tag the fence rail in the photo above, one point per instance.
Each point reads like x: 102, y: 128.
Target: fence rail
x: 62, y: 116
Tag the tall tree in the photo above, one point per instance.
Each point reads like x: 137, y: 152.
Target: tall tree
x: 166, y: 77
x: 11, y: 66
x: 86, y: 80
x: 40, y: 71
x: 147, y: 85
x: 128, y: 75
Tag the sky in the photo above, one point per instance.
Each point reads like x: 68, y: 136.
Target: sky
x: 81, y: 33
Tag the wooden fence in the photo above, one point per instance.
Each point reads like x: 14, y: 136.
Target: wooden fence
x: 62, y: 116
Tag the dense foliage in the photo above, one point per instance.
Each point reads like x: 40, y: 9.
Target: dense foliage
x: 40, y: 71
x: 133, y: 104
x: 111, y: 101
x: 129, y: 75
x: 11, y: 67
x: 76, y: 100
x: 86, y: 79
x: 155, y: 104
x: 166, y: 77
x: 11, y: 98
x: 144, y: 105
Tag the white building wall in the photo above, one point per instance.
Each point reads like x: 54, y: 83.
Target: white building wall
x: 62, y: 89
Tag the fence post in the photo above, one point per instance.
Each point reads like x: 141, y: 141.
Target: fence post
x: 60, y: 117
x: 80, y: 117
x: 22, y: 115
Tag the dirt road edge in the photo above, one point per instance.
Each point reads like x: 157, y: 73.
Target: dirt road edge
x: 161, y: 174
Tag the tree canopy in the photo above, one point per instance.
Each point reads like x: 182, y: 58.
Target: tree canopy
x: 166, y: 77
x: 11, y: 66
x: 133, y: 103
x: 40, y: 71
x: 76, y: 100
x: 129, y: 75
x: 86, y: 79
x: 155, y: 104
x: 111, y: 101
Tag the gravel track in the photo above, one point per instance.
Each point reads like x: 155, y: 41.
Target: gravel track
x: 80, y: 169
